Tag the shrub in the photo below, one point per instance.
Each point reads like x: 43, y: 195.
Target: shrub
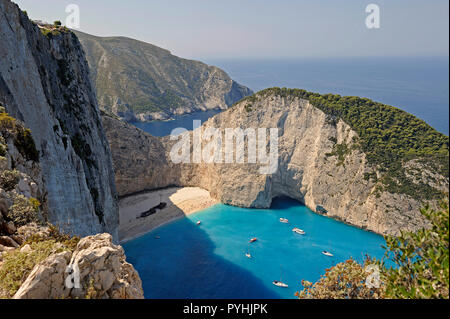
x: 35, y: 204
x: 18, y: 265
x: 421, y: 268
x: 54, y: 233
x: 25, y: 145
x: 23, y: 211
x: 421, y: 258
x: 3, y: 149
x: 341, y: 151
x: 9, y: 179
x: 57, y: 23
x: 23, y: 139
x: 7, y: 123
x: 344, y: 281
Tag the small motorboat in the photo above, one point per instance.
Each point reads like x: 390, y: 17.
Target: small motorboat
x: 253, y: 240
x: 284, y: 220
x: 280, y: 284
x: 199, y: 222
x: 157, y: 237
x: 247, y: 253
x: 327, y: 253
x: 298, y: 231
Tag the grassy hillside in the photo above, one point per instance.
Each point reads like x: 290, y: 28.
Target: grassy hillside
x: 388, y: 136
x: 135, y: 76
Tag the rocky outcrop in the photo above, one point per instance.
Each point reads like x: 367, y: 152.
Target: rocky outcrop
x: 309, y: 167
x: 138, y: 81
x: 96, y: 269
x: 21, y: 198
x: 45, y: 83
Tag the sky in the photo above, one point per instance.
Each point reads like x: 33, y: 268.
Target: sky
x: 207, y: 29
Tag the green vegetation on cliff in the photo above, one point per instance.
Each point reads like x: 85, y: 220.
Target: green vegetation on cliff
x: 388, y: 136
x: 18, y: 264
x: 421, y: 269
x: 23, y: 140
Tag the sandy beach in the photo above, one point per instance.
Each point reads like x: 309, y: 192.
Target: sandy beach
x: 181, y: 201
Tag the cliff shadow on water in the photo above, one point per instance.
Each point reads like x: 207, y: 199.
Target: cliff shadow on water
x: 177, y: 261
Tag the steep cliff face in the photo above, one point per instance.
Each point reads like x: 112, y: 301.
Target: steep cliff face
x: 139, y: 81
x: 320, y: 163
x: 45, y: 83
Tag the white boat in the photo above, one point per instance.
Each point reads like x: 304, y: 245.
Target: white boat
x: 327, y: 253
x: 280, y: 284
x: 199, y: 222
x: 298, y: 231
x: 284, y: 220
x: 247, y: 253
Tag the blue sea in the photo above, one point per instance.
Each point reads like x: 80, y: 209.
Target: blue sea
x: 208, y: 260
x: 417, y: 85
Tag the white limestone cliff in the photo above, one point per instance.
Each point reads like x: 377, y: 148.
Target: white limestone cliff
x: 306, y: 169
x: 44, y: 82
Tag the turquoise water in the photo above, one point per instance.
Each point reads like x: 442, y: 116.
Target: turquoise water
x: 208, y: 261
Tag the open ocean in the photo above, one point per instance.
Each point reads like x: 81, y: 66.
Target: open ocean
x: 419, y: 86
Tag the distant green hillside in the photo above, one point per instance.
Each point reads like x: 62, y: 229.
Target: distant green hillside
x: 388, y: 136
x: 137, y: 79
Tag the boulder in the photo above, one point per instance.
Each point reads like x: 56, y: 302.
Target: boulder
x: 46, y: 280
x: 9, y: 227
x: 103, y: 269
x: 26, y: 249
x: 8, y: 242
x: 96, y: 269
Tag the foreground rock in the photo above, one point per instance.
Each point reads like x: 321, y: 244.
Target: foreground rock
x: 102, y: 269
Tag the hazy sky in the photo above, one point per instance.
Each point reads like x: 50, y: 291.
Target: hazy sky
x: 263, y: 28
